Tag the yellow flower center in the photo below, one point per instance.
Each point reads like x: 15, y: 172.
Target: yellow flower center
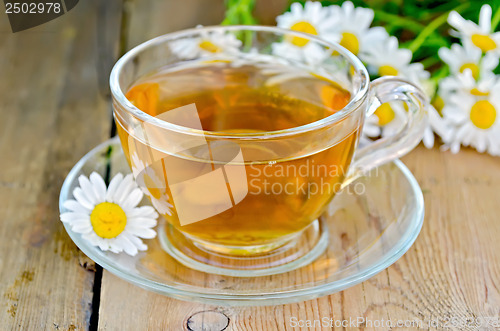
x: 152, y: 187
x: 483, y: 114
x: 475, y: 91
x: 108, y: 220
x: 438, y: 104
x: 209, y: 46
x: 305, y: 27
x: 483, y: 42
x: 385, y: 114
x: 350, y: 41
x: 473, y: 67
x: 387, y: 70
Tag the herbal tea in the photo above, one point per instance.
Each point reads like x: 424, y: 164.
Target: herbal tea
x: 284, y: 189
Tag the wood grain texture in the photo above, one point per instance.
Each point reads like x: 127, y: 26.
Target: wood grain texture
x: 51, y: 115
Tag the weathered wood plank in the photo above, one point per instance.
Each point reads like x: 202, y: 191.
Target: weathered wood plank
x: 149, y: 19
x: 51, y: 114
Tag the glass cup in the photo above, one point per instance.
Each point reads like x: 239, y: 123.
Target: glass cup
x: 236, y: 201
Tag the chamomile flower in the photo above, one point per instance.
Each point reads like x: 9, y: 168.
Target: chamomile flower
x: 151, y: 185
x: 312, y: 19
x: 352, y: 28
x: 387, y: 120
x: 460, y: 58
x: 209, y: 43
x: 479, y: 35
x: 475, y: 118
x: 109, y: 217
x: 465, y: 83
x: 387, y: 59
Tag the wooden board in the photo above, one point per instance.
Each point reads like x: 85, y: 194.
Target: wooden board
x: 51, y: 114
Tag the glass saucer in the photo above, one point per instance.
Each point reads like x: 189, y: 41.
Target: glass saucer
x: 371, y: 224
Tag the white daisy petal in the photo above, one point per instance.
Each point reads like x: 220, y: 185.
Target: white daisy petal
x: 133, y: 199
x: 485, y: 18
x: 103, y: 245
x: 428, y: 139
x: 72, y: 221
x: 92, y: 238
x: 140, y: 231
x: 295, y: 8
x: 127, y: 245
x: 99, y: 186
x: 456, y: 117
x: 137, y: 242
x: 143, y: 211
x: 114, y: 248
x: 113, y: 185
x: 455, y: 147
x: 82, y: 199
x: 143, y: 221
x: 459, y: 23
x: 480, y: 144
x: 439, y: 125
x: 488, y: 64
x: 123, y: 190
x: 371, y: 129
x: 87, y: 188
x: 464, y: 134
x: 82, y: 227
x: 80, y: 221
x: 73, y: 205
x: 67, y: 217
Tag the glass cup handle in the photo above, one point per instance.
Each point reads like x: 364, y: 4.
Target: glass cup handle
x: 382, y: 90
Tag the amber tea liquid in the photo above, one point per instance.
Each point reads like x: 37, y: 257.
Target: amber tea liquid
x: 285, y: 194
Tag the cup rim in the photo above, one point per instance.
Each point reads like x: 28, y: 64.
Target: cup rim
x: 351, y: 106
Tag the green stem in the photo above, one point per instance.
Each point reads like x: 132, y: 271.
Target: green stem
x: 239, y: 12
x: 495, y: 20
x: 429, y: 62
x: 398, y: 21
x: 479, y: 66
x: 429, y: 29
